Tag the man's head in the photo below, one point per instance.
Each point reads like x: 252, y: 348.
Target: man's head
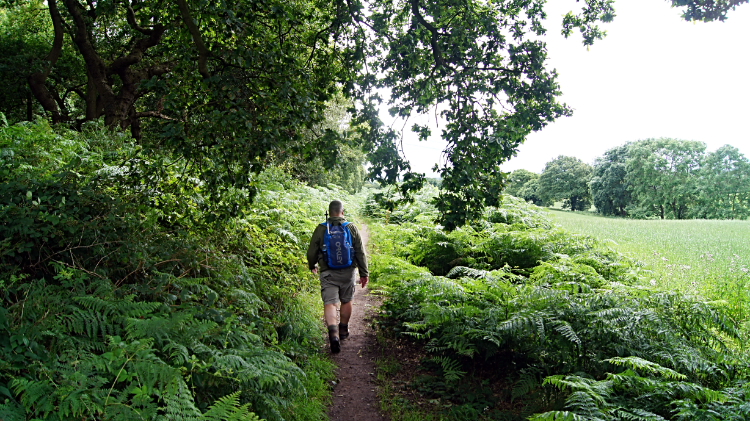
x: 336, y: 208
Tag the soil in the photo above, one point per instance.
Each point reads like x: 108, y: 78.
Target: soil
x: 355, y: 391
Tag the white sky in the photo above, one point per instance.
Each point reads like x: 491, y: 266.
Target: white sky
x: 653, y: 75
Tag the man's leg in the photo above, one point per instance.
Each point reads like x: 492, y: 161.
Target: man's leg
x: 329, y: 310
x: 346, y: 312
x: 347, y: 295
x: 329, y: 291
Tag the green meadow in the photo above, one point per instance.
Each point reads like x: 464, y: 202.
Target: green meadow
x: 704, y: 257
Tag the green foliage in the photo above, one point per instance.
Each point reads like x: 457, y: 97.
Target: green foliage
x: 569, y: 331
x: 345, y: 168
x: 516, y: 213
x: 525, y: 185
x: 223, y: 89
x: 567, y: 179
x: 25, y: 37
x: 697, y: 257
x: 724, y: 185
x: 516, y: 181
x: 671, y: 179
x: 114, y: 306
x: 532, y: 192
x: 608, y: 185
x: 662, y: 176
x: 392, y: 207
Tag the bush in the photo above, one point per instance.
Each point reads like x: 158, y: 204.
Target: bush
x: 552, y: 320
x: 125, y: 301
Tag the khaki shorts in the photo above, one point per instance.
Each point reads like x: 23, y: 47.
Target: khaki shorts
x: 337, y: 285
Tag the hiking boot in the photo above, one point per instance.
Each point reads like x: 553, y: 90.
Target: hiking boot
x: 333, y: 337
x: 343, y: 331
x: 335, y: 344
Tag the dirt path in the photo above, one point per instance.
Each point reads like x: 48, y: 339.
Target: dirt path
x: 354, y: 396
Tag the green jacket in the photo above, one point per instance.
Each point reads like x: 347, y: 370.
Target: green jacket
x: 315, y: 250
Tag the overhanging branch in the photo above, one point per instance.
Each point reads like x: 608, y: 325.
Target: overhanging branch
x: 437, y: 52
x: 203, y: 52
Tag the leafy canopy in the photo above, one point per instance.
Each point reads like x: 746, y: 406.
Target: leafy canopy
x: 219, y: 87
x: 567, y: 178
x: 608, y: 185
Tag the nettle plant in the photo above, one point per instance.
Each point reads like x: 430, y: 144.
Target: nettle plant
x: 557, y: 323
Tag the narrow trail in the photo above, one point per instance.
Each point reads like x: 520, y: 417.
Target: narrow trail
x: 354, y: 395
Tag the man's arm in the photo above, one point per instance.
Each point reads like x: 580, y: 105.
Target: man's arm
x: 313, y: 248
x: 360, y: 255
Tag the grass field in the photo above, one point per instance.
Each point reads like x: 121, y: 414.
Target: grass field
x: 706, y: 257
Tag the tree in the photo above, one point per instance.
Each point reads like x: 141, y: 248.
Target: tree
x: 347, y: 168
x: 662, y: 176
x: 218, y: 86
x: 608, y: 185
x: 724, y: 185
x: 567, y: 178
x: 26, y: 32
x: 531, y: 192
x: 525, y: 185
x: 516, y: 180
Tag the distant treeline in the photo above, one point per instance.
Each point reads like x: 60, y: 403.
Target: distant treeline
x: 652, y: 178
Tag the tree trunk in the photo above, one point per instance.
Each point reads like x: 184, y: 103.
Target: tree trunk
x: 116, y: 106
x: 92, y: 109
x: 36, y: 80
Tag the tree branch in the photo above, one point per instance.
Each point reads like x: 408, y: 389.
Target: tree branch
x: 94, y: 64
x: 437, y: 52
x: 136, y: 53
x: 133, y: 23
x: 36, y: 80
x: 203, y: 52
x: 155, y: 114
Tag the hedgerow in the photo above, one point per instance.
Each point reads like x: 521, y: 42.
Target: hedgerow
x: 118, y: 303
x: 556, y: 323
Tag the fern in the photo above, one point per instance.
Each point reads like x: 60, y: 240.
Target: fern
x: 526, y: 383
x: 228, y: 408
x: 566, y: 330
x: 178, y: 402
x: 36, y: 394
x: 463, y: 271
x: 615, y: 351
x: 11, y: 411
x: 559, y: 416
x: 645, y: 366
x: 449, y: 367
x: 125, y: 307
x: 635, y: 414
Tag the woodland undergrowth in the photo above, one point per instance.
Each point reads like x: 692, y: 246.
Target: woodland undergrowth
x: 128, y: 300
x: 519, y: 319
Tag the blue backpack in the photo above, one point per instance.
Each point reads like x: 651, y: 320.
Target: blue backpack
x: 337, y: 246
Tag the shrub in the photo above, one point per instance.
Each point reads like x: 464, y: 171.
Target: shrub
x: 555, y: 314
x: 125, y: 301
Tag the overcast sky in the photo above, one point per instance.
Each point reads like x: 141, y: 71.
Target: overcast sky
x: 654, y: 75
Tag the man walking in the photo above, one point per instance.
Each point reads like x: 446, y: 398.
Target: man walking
x: 336, y: 248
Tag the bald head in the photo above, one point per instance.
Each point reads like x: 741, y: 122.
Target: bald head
x: 336, y: 208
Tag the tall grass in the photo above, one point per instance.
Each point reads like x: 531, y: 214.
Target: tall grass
x: 704, y: 257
